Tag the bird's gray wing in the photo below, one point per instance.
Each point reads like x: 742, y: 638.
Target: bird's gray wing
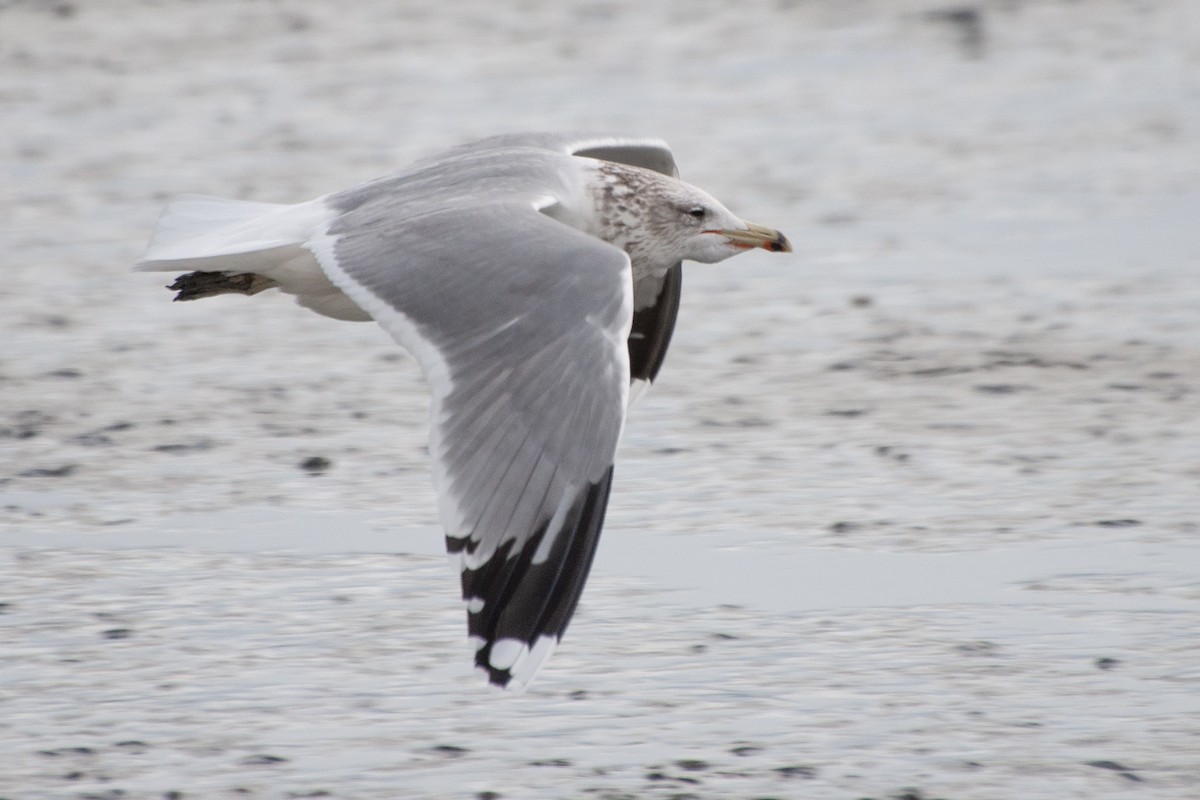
x: 520, y: 324
x: 647, y: 153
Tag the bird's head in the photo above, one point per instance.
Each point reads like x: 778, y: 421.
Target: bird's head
x: 704, y: 230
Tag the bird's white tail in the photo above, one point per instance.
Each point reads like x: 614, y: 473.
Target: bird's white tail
x: 212, y: 235
x: 196, y: 231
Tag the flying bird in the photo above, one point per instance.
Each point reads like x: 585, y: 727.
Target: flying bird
x: 535, y: 278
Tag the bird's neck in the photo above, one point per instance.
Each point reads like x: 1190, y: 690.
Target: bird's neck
x: 623, y: 197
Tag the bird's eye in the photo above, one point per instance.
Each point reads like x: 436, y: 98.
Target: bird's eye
x: 698, y: 212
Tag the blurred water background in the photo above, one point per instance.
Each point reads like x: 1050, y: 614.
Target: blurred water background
x: 910, y: 514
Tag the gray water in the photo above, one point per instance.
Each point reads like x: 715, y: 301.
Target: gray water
x: 911, y: 513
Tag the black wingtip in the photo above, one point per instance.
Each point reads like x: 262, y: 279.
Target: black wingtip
x: 525, y: 602
x: 500, y: 678
x: 650, y: 333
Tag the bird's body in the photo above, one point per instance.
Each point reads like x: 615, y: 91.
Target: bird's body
x: 534, y: 277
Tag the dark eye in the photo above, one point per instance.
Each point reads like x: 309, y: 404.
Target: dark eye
x: 698, y: 212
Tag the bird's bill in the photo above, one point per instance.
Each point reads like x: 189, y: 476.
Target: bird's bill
x: 758, y: 236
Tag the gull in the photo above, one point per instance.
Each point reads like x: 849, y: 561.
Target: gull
x: 536, y: 280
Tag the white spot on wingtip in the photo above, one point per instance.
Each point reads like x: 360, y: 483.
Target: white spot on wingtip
x: 506, y: 652
x: 475, y: 605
